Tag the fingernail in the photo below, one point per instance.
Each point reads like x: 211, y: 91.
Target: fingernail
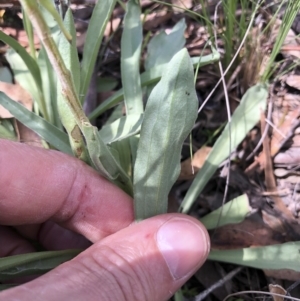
x: 184, y: 246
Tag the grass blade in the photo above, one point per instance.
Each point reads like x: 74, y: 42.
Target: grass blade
x: 232, y: 212
x: 131, y: 44
x: 149, y: 77
x: 39, y: 125
x: 275, y: 257
x: 243, y: 119
x: 170, y: 114
x: 101, y: 14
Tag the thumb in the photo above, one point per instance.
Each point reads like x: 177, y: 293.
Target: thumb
x: 149, y: 260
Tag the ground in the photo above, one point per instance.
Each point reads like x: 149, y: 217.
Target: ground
x: 265, y: 166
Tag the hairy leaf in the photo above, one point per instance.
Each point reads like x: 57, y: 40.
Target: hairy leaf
x: 169, y: 117
x: 232, y: 212
x: 243, y: 120
x: 274, y: 257
x: 39, y: 125
x: 131, y: 45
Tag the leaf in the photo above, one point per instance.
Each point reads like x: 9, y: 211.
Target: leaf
x: 26, y: 79
x: 5, y: 75
x: 68, y: 50
x: 232, y: 212
x: 131, y: 44
x: 106, y: 84
x: 28, y: 60
x: 39, y: 125
x: 6, y: 130
x: 124, y: 155
x: 69, y: 56
x: 122, y: 128
x: 7, y: 286
x: 97, y: 24
x: 274, y: 257
x: 17, y: 93
x: 243, y: 120
x: 163, y: 47
x: 33, y: 263
x: 169, y: 117
x: 149, y: 77
x: 49, y: 87
x: 48, y: 5
x: 103, y: 159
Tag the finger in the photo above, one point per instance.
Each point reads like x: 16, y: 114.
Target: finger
x: 146, y: 261
x: 12, y: 243
x: 38, y: 184
x: 53, y: 236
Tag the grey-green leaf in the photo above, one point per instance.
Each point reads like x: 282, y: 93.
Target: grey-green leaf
x: 169, y: 117
x: 243, y: 120
x: 149, y: 77
x: 103, y: 159
x: 122, y: 128
x: 101, y: 14
x: 274, y: 257
x: 68, y: 50
x: 162, y: 47
x: 39, y: 125
x: 33, y: 263
x: 69, y: 55
x: 28, y: 60
x: 131, y: 45
x: 28, y: 80
x: 232, y: 212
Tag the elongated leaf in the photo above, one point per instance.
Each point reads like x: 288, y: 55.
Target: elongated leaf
x: 169, y: 117
x: 162, y: 47
x: 122, y: 128
x: 6, y: 134
x: 39, y: 125
x: 69, y: 55
x: 106, y: 84
x: 48, y: 5
x: 26, y: 79
x: 101, y: 14
x: 68, y: 50
x: 33, y: 263
x: 6, y: 286
x: 124, y: 155
x: 243, y: 120
x: 131, y: 45
x: 49, y: 77
x: 28, y: 60
x: 49, y: 85
x: 103, y: 159
x: 149, y: 77
x: 232, y: 212
x: 5, y: 75
x: 284, y: 256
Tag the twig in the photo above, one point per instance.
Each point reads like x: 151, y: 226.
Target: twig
x: 218, y: 284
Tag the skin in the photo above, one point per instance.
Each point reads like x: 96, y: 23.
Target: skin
x: 59, y: 201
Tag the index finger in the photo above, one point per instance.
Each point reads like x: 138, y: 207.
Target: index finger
x: 37, y: 185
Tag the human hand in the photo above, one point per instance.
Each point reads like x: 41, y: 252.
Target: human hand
x: 44, y: 190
